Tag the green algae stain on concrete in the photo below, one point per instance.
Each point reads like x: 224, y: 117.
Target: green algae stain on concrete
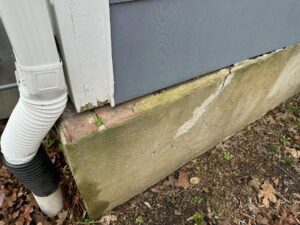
x: 90, y: 192
x: 113, y: 165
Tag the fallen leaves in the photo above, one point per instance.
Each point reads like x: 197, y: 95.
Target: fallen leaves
x: 270, y: 120
x: 39, y: 218
x: 260, y: 219
x: 222, y: 146
x: 294, y: 152
x: 25, y: 217
x: 181, y: 182
x: 268, y: 193
x: 286, y: 218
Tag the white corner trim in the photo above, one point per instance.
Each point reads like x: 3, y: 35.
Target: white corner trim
x: 83, y: 30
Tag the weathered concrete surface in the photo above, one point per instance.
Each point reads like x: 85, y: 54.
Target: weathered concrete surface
x: 144, y: 140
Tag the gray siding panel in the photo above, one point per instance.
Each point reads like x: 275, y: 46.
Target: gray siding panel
x: 159, y: 43
x: 8, y: 98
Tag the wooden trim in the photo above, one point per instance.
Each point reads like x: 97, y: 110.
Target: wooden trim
x: 85, y: 40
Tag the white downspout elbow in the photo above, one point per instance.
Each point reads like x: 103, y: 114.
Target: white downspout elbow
x: 43, y: 97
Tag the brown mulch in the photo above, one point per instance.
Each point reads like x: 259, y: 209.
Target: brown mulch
x: 253, y: 178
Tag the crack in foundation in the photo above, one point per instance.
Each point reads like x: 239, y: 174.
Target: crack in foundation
x: 199, y: 111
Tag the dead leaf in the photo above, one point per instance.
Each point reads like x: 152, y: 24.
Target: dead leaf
x: 268, y: 194
x: 296, y: 195
x: 206, y: 190
x: 156, y: 190
x: 39, y: 218
x: 75, y: 199
x: 170, y: 182
x: 275, y: 180
x: 4, y: 172
x: 295, y: 209
x: 105, y: 220
x: 2, y: 199
x: 20, y: 221
x: 254, y: 183
x: 278, y: 203
x: 287, y: 218
x: 148, y: 205
x: 297, y: 167
x: 183, y: 180
x: 25, y: 217
x: 293, y: 130
x: 222, y: 146
x: 15, y: 214
x: 282, y: 116
x: 262, y: 220
x: 270, y: 120
x: 61, y: 217
x: 294, y: 152
x: 194, y: 180
x: 10, y: 200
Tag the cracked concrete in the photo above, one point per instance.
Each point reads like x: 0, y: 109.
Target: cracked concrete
x: 146, y: 139
x: 199, y: 111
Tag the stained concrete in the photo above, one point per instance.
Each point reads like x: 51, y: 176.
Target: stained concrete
x: 144, y: 140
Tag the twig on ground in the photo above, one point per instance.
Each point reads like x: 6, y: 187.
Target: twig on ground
x: 283, y: 198
x: 248, y: 216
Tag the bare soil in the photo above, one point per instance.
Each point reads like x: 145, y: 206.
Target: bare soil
x: 251, y: 178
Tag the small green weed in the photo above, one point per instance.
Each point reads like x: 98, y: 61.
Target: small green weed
x: 285, y: 140
x: 198, y: 219
x: 295, y: 122
x: 227, y: 156
x: 88, y: 220
x: 50, y: 142
x: 272, y: 148
x: 60, y: 147
x: 139, y: 220
x: 287, y: 160
x: 292, y: 109
x: 99, y: 121
x: 197, y: 200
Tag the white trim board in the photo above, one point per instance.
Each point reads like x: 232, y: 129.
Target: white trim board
x: 85, y: 40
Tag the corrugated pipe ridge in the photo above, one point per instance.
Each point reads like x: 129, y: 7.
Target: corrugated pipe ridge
x: 27, y: 126
x: 44, y: 178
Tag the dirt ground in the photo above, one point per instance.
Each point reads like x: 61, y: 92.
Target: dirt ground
x: 251, y: 178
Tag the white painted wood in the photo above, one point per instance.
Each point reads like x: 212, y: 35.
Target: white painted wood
x: 85, y: 39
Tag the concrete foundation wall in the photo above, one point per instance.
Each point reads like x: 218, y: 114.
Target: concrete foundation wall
x: 144, y: 140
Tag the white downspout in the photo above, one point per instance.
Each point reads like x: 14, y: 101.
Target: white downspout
x: 43, y: 97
